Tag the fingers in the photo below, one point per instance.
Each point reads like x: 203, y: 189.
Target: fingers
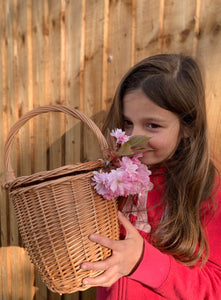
x: 109, y: 243
x: 125, y: 255
x: 131, y: 232
x: 123, y: 220
x: 97, y: 266
x: 130, y: 229
x: 103, y: 241
x: 106, y: 279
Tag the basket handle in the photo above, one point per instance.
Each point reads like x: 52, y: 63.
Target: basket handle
x: 9, y: 172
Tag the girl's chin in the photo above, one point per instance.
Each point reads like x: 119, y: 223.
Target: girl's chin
x: 149, y: 159
x: 146, y: 159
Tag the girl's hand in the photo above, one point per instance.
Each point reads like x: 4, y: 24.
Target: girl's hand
x: 125, y: 255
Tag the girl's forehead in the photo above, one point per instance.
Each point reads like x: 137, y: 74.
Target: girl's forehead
x: 137, y: 105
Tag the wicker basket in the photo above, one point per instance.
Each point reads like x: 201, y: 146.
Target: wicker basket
x: 57, y: 210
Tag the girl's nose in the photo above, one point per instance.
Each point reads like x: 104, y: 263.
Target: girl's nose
x: 137, y: 131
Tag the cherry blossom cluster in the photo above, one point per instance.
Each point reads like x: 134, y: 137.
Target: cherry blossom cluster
x: 130, y: 177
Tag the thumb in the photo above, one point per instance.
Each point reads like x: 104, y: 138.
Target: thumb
x: 130, y: 229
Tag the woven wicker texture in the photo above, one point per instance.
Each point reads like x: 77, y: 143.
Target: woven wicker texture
x: 57, y: 210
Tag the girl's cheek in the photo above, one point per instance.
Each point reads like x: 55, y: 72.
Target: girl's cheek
x: 152, y: 143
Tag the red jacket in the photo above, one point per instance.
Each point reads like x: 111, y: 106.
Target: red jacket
x: 160, y: 276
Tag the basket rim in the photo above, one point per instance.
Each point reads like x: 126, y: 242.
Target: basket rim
x: 55, y: 174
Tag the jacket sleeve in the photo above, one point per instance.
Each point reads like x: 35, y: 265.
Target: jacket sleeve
x: 173, y: 280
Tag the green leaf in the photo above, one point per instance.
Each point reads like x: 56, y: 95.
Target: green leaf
x: 138, y: 141
x: 125, y: 149
x: 136, y: 144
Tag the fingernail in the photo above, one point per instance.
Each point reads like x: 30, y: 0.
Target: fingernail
x: 85, y: 281
x: 92, y: 236
x: 84, y: 267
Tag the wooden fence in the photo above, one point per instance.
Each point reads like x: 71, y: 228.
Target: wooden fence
x: 74, y: 52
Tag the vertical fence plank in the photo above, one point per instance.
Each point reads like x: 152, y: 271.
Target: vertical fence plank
x: 24, y: 103
x: 56, y: 120
x: 208, y: 52
x: 74, y: 296
x: 39, y: 34
x: 74, y: 48
x: 147, y: 28
x: 13, y: 100
x: 5, y: 292
x: 14, y: 273
x: 2, y: 196
x: 89, y: 294
x: 178, y: 26
x: 39, y: 86
x: 40, y: 92
x: 94, y: 15
x: 119, y: 46
x: 5, y: 287
x: 40, y: 288
x: 3, y: 123
x: 27, y: 275
x: 92, y: 85
x: 53, y: 296
x: 12, y: 253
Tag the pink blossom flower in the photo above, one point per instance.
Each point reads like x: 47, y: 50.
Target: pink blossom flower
x: 129, y: 166
x: 120, y: 136
x: 101, y: 182
x: 130, y: 177
x: 118, y: 183
x: 135, y: 158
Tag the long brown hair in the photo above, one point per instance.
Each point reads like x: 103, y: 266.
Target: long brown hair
x: 174, y: 82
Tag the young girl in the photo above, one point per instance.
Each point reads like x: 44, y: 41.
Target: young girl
x: 172, y: 246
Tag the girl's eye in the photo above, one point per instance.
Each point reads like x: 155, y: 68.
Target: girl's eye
x: 127, y: 124
x: 153, y: 126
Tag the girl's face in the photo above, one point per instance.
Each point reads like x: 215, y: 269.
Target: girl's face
x: 144, y: 117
